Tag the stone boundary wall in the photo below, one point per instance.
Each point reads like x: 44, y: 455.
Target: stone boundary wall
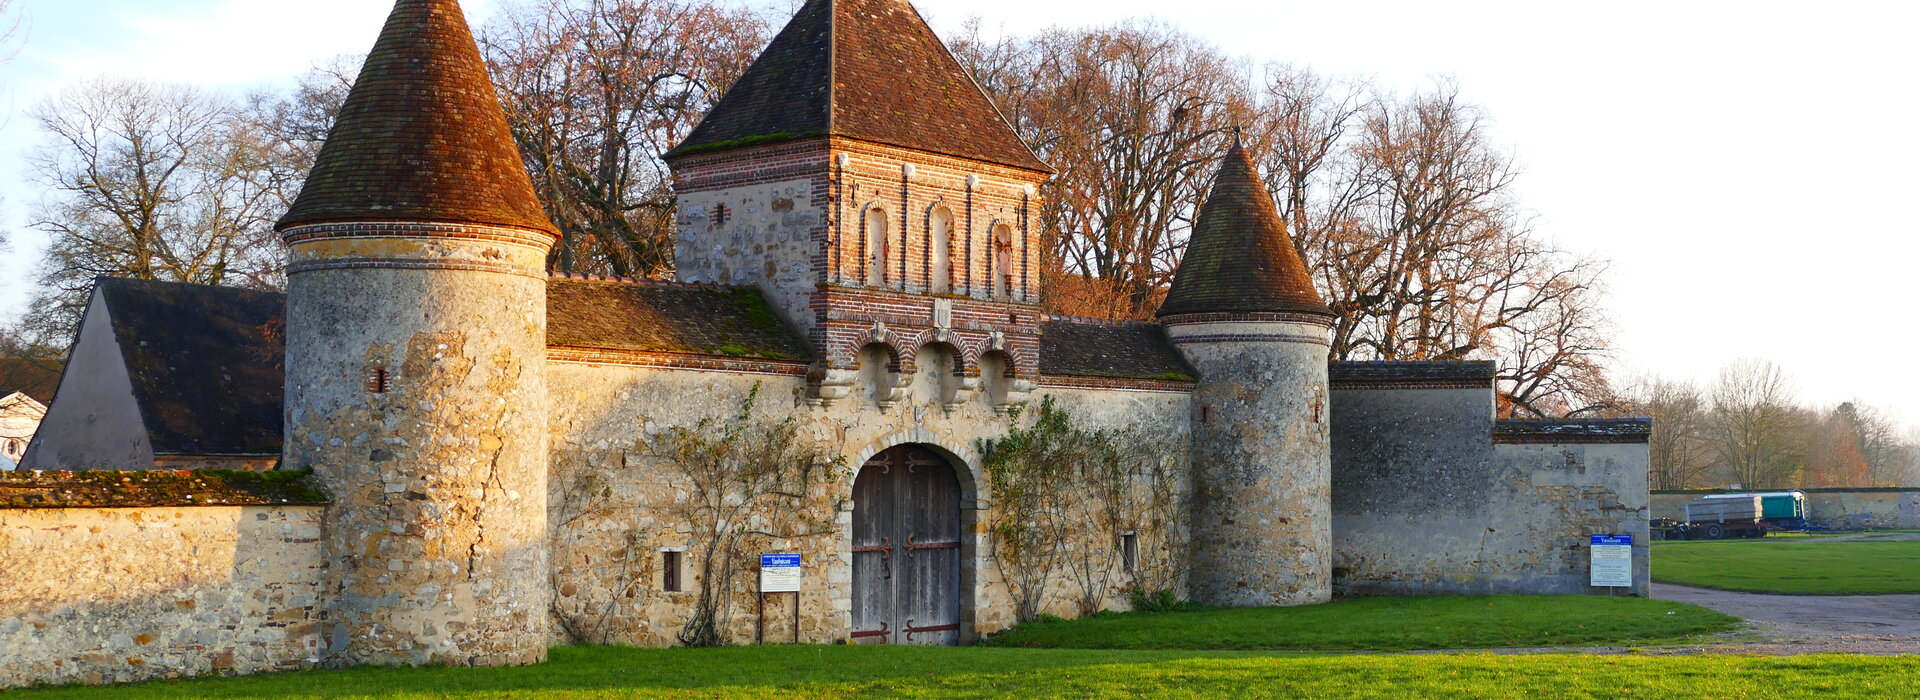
x: 109, y: 595
x: 1429, y: 498
x: 1844, y: 509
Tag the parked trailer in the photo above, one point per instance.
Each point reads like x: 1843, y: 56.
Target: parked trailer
x: 1786, y: 510
x: 1730, y: 515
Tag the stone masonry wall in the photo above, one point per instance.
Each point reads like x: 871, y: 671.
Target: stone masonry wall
x: 613, y: 501
x: 1261, y: 526
x: 1834, y: 508
x: 415, y: 391
x: 1424, y: 502
x: 97, y: 595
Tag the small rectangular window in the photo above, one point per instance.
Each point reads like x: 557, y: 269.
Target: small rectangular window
x: 1130, y: 551
x: 670, y: 571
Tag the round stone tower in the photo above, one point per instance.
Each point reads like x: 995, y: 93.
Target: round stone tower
x: 1244, y: 312
x: 416, y: 350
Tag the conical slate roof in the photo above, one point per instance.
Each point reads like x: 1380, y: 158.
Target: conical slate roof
x: 421, y: 137
x: 864, y: 69
x: 1240, y: 259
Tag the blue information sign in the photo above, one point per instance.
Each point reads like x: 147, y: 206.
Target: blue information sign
x: 1611, y: 563
x: 779, y: 573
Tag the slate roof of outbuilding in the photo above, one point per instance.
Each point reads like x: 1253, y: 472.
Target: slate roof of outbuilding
x: 1240, y: 259
x: 1081, y: 348
x: 206, y: 363
x: 668, y: 318
x: 864, y: 69
x: 421, y: 137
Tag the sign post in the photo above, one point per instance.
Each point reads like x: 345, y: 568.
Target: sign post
x: 779, y: 573
x: 1611, y: 562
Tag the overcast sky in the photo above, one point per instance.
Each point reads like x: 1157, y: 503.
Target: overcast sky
x: 1748, y: 167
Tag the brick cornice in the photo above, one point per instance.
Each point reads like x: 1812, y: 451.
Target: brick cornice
x: 1248, y: 317
x: 348, y: 230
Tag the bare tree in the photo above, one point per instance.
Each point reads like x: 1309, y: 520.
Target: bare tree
x: 296, y: 124
x: 1403, y: 208
x: 596, y: 91
x: 1836, y: 451
x: 1678, y: 456
x: 149, y: 181
x: 1881, y: 444
x: 13, y: 30
x: 1756, y: 427
x: 1134, y: 116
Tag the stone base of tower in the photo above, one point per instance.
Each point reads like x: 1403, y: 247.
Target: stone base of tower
x: 1262, y: 517
x: 416, y: 393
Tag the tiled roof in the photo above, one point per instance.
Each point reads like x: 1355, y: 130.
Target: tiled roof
x: 421, y: 137
x: 36, y: 377
x: 1409, y: 371
x: 205, y: 363
x: 1240, y: 259
x: 668, y: 318
x: 1070, y: 347
x: 864, y: 69
x: 207, y: 370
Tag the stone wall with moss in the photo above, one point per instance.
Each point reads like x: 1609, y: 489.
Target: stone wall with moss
x: 110, y: 594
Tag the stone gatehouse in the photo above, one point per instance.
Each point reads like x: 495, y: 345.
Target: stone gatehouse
x: 858, y: 282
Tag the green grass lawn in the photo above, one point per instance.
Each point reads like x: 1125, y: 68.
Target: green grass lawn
x: 1387, y: 624
x: 579, y: 673
x: 1807, y: 567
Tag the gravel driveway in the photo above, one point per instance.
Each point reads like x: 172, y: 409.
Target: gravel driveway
x: 1805, y: 624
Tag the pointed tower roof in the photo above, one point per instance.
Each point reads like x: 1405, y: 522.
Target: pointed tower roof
x: 1240, y: 259
x: 421, y: 137
x: 864, y: 69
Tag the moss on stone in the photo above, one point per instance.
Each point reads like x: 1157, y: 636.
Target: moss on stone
x: 157, y: 488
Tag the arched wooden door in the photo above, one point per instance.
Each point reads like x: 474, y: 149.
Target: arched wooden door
x: 906, y: 549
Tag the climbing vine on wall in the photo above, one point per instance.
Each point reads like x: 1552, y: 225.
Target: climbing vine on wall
x: 1065, y: 498
x: 743, y: 478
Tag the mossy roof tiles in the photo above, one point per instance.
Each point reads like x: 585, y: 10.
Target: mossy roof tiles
x: 863, y: 69
x: 668, y: 318
x: 1240, y: 259
x: 1121, y: 350
x: 421, y: 137
x: 34, y: 376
